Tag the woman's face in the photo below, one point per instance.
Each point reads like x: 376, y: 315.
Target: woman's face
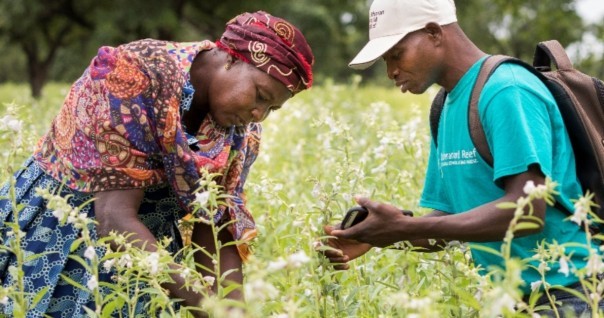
x: 243, y: 94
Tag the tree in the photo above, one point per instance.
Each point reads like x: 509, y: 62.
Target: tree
x: 40, y: 28
x: 44, y: 29
x: 58, y: 38
x: 513, y: 27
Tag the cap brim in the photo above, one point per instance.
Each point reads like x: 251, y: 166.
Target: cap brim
x: 373, y: 50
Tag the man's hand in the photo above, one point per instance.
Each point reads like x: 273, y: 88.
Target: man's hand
x: 384, y: 226
x: 346, y: 250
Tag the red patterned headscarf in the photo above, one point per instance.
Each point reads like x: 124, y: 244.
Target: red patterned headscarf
x: 271, y: 44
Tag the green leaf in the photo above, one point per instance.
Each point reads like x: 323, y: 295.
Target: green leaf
x: 228, y: 289
x: 39, y: 296
x: 90, y: 312
x: 76, y: 243
x: 225, y: 274
x: 526, y: 226
x: 507, y: 205
x: 81, y: 261
x: 485, y: 249
x: 73, y: 282
x: 33, y: 257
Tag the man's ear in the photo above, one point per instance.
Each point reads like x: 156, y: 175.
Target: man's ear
x: 435, y: 32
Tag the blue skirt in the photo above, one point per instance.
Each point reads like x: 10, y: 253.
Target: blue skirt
x: 43, y: 234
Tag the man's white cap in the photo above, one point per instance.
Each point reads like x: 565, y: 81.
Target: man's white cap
x: 391, y: 20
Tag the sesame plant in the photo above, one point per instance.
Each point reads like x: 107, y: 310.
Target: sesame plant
x: 323, y: 148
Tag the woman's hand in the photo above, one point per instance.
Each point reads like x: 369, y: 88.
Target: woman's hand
x: 346, y: 250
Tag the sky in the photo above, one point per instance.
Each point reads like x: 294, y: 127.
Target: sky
x: 591, y: 10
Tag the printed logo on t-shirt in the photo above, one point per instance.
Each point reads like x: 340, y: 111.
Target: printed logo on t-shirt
x: 459, y: 157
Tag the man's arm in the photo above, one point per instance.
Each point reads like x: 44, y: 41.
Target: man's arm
x: 430, y: 245
x: 346, y: 250
x: 385, y: 225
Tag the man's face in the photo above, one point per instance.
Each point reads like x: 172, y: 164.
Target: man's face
x: 413, y: 62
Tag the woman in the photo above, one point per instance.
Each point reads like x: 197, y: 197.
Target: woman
x: 134, y: 133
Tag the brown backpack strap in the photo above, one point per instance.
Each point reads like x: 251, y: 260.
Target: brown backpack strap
x: 477, y: 134
x: 551, y: 51
x: 487, y: 68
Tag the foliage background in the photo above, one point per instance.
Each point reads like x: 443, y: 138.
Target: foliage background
x: 42, y: 41
x: 344, y: 137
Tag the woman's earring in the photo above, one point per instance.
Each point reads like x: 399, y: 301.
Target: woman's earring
x: 228, y: 65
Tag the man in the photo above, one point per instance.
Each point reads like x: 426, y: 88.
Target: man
x: 422, y: 45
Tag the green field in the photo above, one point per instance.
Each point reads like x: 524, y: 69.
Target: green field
x: 323, y: 147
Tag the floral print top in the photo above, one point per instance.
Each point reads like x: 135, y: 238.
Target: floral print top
x: 120, y: 128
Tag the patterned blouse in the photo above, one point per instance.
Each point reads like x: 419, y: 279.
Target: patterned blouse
x: 120, y: 128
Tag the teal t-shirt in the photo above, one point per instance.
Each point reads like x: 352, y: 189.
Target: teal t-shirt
x: 523, y: 126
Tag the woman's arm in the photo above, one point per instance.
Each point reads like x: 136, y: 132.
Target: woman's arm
x: 229, y: 257
x: 117, y: 211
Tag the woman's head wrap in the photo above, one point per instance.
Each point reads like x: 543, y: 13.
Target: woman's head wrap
x: 271, y: 44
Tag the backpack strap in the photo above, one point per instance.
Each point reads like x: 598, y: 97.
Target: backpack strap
x: 551, y: 51
x: 435, y: 110
x: 477, y: 133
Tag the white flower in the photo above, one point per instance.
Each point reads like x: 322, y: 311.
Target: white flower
x: 125, y: 261
x: 59, y: 214
x: 152, y: 261
x: 185, y: 273
x: 347, y: 197
x: 535, y: 285
x: 4, y: 300
x: 92, y: 283
x: 316, y: 190
x: 594, y: 264
x: 563, y: 266
x: 297, y: 259
x: 11, y: 123
x: 595, y: 297
x: 108, y: 264
x: 504, y: 301
x: 381, y: 168
x: 71, y: 219
x: 202, y: 198
x: 15, y: 125
x: 543, y: 267
x: 277, y: 265
x: 210, y: 280
x: 90, y: 253
x: 529, y: 187
x: 580, y: 214
x: 260, y: 290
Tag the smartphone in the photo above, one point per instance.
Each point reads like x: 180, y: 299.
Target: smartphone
x: 354, y: 216
x: 358, y: 213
